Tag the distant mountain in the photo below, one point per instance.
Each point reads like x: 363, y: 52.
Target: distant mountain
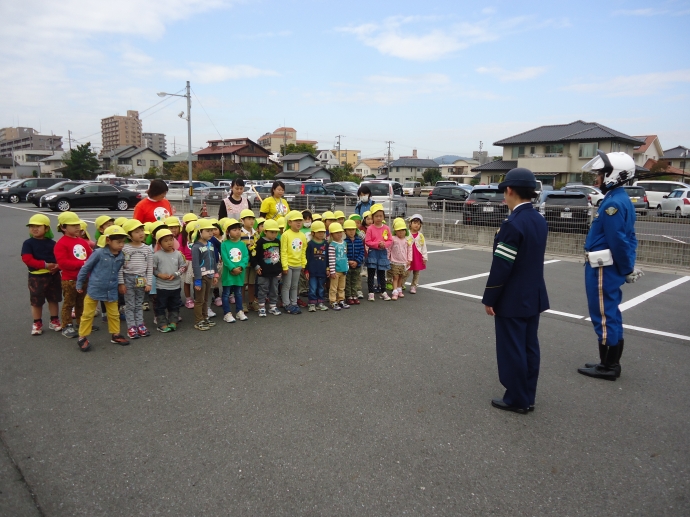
x: 448, y: 158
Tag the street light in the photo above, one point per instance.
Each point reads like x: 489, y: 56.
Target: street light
x: 684, y: 155
x: 188, y: 96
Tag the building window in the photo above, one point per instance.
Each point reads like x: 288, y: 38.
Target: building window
x: 291, y: 166
x: 553, y: 149
x: 681, y: 165
x: 518, y: 151
x: 588, y: 150
x: 141, y: 163
x: 397, y: 169
x: 154, y: 163
x: 532, y: 150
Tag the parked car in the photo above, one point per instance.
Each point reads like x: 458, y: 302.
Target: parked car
x: 566, y: 210
x: 92, y: 195
x: 677, y: 203
x: 263, y: 191
x: 389, y: 194
x: 35, y: 195
x: 412, y: 188
x: 656, y: 190
x: 18, y: 191
x: 179, y: 190
x: 454, y: 196
x: 485, y: 206
x: 594, y: 194
x: 215, y: 194
x: 343, y: 189
x: 441, y: 183
x: 303, y: 195
x: 638, y: 197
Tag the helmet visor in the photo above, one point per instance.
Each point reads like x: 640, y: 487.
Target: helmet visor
x: 600, y: 163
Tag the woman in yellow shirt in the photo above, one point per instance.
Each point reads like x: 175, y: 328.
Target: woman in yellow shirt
x: 275, y: 206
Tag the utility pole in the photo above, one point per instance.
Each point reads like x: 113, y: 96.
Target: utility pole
x: 339, y: 137
x: 69, y: 137
x: 388, y: 163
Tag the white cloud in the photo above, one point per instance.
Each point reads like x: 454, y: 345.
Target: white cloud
x: 489, y: 11
x: 650, y: 11
x: 633, y: 85
x: 395, y: 37
x: 521, y: 74
x: 211, y: 73
x: 431, y: 79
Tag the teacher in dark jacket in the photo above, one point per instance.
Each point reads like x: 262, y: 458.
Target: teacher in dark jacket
x: 515, y: 293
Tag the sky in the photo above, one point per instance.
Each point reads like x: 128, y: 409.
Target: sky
x: 436, y: 76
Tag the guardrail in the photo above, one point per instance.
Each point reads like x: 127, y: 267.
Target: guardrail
x: 662, y: 240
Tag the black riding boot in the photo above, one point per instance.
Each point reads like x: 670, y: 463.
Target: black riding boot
x: 602, y: 351
x: 609, y: 369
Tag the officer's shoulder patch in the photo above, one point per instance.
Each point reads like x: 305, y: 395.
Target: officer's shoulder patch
x: 612, y: 210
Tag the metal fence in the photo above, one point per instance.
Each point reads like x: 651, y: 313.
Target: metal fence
x: 663, y: 239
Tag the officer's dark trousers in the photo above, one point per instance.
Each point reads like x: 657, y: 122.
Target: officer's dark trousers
x: 517, y: 351
x: 604, y: 295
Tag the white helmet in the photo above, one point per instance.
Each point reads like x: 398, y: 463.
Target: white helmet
x: 618, y: 168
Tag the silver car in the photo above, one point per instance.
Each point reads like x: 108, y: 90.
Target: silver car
x: 389, y: 194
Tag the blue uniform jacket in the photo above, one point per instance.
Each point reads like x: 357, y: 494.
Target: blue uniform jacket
x: 613, y: 228
x: 103, y: 267
x: 516, y: 287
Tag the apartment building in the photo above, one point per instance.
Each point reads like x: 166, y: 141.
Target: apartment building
x: 118, y: 131
x: 155, y: 141
x: 22, y: 138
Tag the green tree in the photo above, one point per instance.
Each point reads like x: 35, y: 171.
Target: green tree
x: 206, y: 176
x: 152, y: 173
x: 298, y: 148
x: 474, y: 181
x: 341, y: 173
x: 431, y: 176
x: 81, y: 163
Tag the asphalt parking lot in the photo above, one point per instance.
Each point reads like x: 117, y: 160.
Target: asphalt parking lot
x: 380, y: 410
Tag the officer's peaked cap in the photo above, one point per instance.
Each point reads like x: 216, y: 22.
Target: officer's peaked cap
x: 518, y: 177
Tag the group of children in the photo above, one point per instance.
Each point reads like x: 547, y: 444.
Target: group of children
x: 223, y: 262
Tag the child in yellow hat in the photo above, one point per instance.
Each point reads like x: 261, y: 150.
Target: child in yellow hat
x: 379, y: 240
x: 169, y: 266
x: 188, y: 221
x: 136, y: 277
x: 266, y: 262
x: 249, y: 236
x: 337, y: 268
x: 401, y: 256
x: 44, y: 274
x: 293, y: 256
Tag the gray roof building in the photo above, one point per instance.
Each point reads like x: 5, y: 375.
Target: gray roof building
x: 676, y: 152
x: 496, y: 165
x: 414, y: 162
x: 578, y: 131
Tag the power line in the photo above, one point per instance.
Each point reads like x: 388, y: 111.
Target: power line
x: 207, y: 116
x: 165, y: 99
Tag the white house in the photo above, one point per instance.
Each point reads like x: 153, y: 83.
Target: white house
x: 326, y: 159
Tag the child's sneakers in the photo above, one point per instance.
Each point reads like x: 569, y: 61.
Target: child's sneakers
x: 210, y: 323
x: 164, y: 329
x: 210, y: 314
x: 145, y: 307
x: 55, y: 325
x: 385, y: 297
x: 104, y: 318
x: 84, y: 344
x: 336, y: 306
x: 201, y: 325
x: 372, y: 297
x: 133, y: 333
x: 262, y: 312
x: 275, y: 311
x: 218, y: 301
x: 172, y: 326
x: 312, y: 307
x: 400, y: 292
x: 343, y: 305
x: 322, y: 307
x: 228, y: 318
x: 413, y: 289
x: 241, y: 316
x: 69, y: 331
x: 360, y: 295
x: 119, y: 339
x: 395, y: 294
x: 143, y: 331
x: 254, y: 306
x: 189, y: 303
x: 301, y: 303
x: 37, y: 328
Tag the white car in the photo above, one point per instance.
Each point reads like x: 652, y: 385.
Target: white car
x: 412, y: 188
x: 390, y: 195
x: 593, y: 194
x: 179, y: 190
x: 676, y: 203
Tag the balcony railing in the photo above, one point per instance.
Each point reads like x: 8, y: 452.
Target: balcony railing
x: 545, y: 155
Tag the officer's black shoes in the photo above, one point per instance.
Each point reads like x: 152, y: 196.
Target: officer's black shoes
x: 499, y: 404
x: 602, y: 352
x: 609, y: 368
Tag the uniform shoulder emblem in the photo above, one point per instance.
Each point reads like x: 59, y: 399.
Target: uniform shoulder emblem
x: 611, y: 210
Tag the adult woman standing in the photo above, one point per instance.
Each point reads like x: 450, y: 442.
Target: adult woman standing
x: 275, y: 206
x: 233, y: 205
x: 155, y: 207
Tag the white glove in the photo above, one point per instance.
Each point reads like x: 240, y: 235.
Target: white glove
x: 634, y: 276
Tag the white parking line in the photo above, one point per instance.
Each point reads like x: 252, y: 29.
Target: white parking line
x: 451, y: 292
x: 650, y: 294
x: 566, y: 314
x: 674, y: 239
x: 125, y: 212
x: 471, y: 277
x: 441, y: 251
x: 657, y: 332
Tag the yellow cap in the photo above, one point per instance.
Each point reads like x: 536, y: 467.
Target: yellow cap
x: 131, y: 225
x: 271, y: 226
x: 399, y: 224
x: 213, y: 220
x: 113, y: 230
x: 223, y: 221
x: 163, y: 233
x: 339, y: 214
x: 39, y: 219
x: 85, y: 228
x: 316, y: 217
x: 189, y: 217
x: 204, y: 224
x: 229, y: 223
x: 260, y: 220
x: 377, y: 207
x: 155, y: 226
x: 328, y: 215
x: 119, y: 221
x: 68, y: 218
x: 334, y: 228
x: 280, y: 221
x: 294, y: 215
x: 101, y: 242
x: 366, y: 214
x: 172, y: 221
x: 147, y: 228
x: 349, y: 225
x: 317, y: 226
x: 101, y: 220
x: 246, y: 213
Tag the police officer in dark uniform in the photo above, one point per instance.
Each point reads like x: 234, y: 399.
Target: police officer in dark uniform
x: 515, y: 292
x: 610, y: 251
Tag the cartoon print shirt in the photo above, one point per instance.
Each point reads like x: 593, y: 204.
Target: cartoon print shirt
x: 148, y: 211
x: 71, y: 254
x: 293, y: 249
x: 234, y: 254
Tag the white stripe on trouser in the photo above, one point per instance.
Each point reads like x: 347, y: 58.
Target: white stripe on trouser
x: 601, y: 305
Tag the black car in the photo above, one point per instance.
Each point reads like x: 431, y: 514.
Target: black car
x: 564, y: 211
x: 92, y: 195
x: 308, y: 195
x: 35, y: 195
x: 345, y: 190
x: 454, y: 197
x: 17, y: 192
x: 485, y: 206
